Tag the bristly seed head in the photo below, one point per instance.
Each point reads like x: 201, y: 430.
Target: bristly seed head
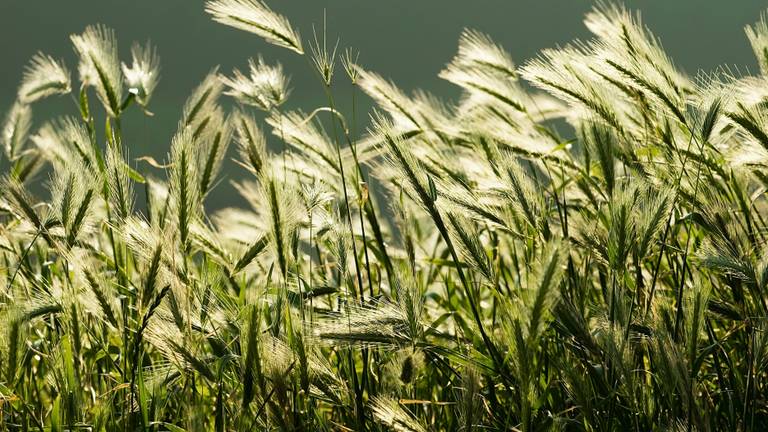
x: 99, y: 65
x: 349, y: 60
x: 321, y: 58
x: 266, y: 88
x: 143, y: 74
x: 256, y: 17
x: 43, y: 77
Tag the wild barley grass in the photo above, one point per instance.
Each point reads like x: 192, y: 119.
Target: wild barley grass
x: 469, y: 265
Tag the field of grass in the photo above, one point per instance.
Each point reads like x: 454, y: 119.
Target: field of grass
x: 578, y: 243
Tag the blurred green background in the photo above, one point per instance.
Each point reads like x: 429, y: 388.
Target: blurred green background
x: 407, y: 41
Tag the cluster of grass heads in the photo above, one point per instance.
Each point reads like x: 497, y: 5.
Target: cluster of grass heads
x: 453, y: 267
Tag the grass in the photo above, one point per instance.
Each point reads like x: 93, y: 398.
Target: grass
x: 578, y: 243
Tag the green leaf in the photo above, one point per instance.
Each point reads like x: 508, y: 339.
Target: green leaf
x: 56, y: 415
x: 143, y: 394
x: 432, y: 190
x: 171, y: 427
x: 85, y: 112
